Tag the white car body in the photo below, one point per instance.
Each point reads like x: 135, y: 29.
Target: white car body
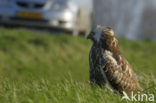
x: 72, y: 15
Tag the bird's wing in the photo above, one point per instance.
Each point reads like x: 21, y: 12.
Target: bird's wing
x: 119, y: 78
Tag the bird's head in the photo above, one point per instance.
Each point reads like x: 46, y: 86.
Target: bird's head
x: 104, y: 35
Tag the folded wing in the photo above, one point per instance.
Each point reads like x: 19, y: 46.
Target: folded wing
x: 120, y: 76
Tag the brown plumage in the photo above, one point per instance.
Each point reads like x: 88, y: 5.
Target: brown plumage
x: 107, y: 65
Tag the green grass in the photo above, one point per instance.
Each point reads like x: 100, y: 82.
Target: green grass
x: 39, y: 68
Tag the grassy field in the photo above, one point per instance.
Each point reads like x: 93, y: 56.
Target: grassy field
x: 39, y: 68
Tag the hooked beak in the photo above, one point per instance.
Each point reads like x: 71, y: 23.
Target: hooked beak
x: 89, y: 36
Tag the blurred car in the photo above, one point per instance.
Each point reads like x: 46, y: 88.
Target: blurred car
x: 71, y: 15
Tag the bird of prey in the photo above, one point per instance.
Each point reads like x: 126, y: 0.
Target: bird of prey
x: 107, y: 65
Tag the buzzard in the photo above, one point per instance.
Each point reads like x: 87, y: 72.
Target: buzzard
x: 107, y: 65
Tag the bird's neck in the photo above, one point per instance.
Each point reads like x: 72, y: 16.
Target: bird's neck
x: 105, y: 46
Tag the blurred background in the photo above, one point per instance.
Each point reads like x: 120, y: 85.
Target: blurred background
x: 69, y: 15
x: 132, y: 19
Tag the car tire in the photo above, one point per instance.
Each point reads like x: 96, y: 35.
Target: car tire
x: 89, y: 26
x: 77, y: 24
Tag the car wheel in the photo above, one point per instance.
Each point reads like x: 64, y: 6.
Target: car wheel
x: 89, y: 26
x: 77, y: 24
x: 87, y: 32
